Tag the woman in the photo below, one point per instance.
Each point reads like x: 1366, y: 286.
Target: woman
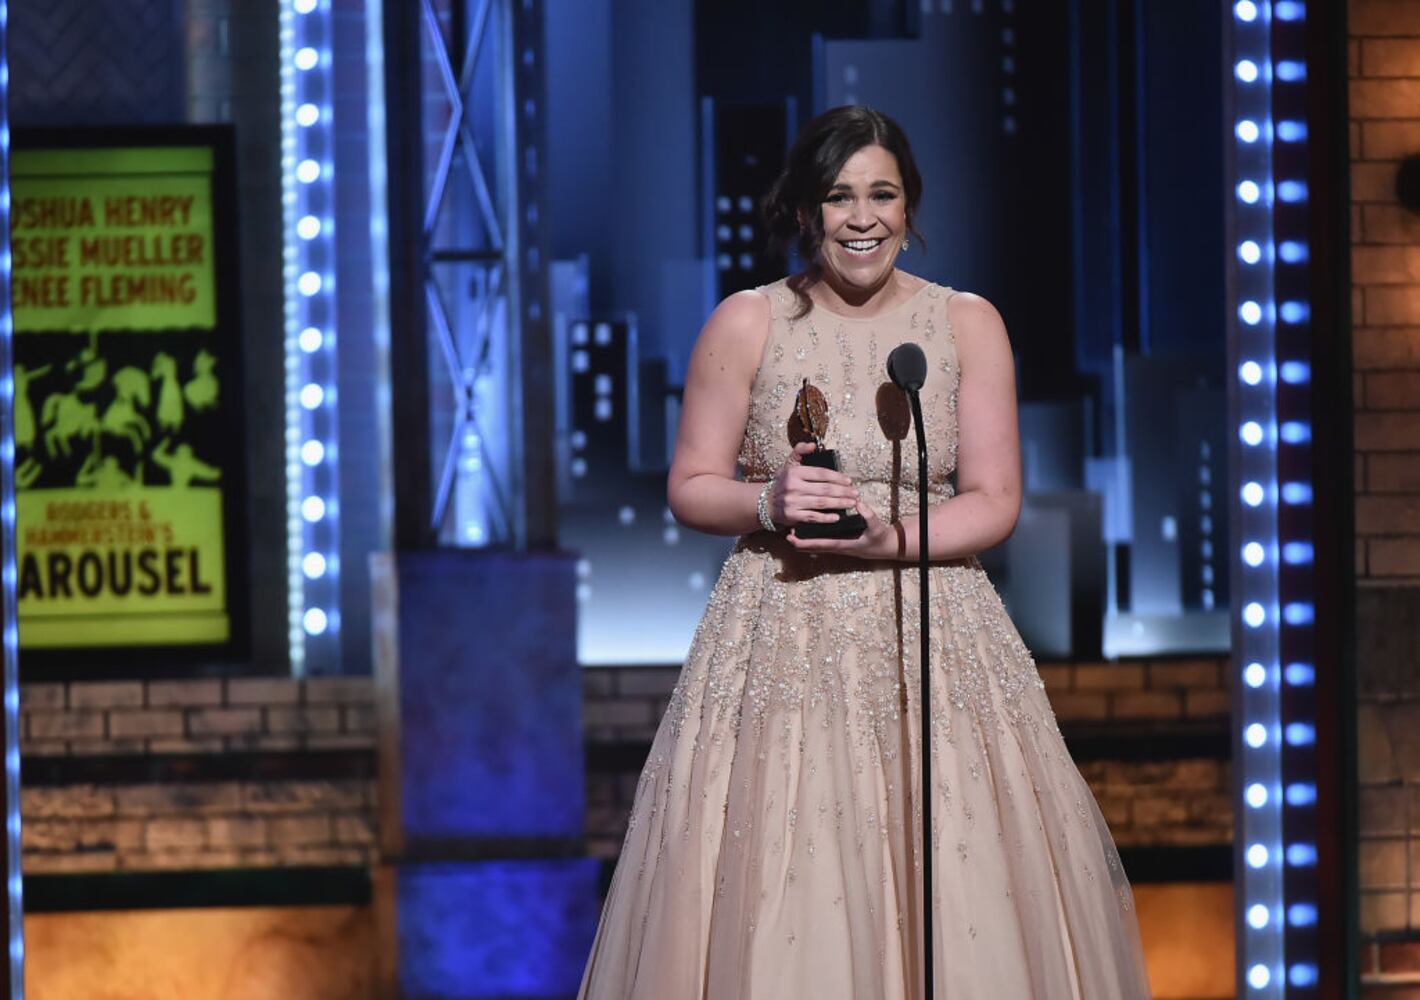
x: 773, y: 843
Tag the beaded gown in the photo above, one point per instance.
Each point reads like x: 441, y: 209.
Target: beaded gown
x: 773, y: 845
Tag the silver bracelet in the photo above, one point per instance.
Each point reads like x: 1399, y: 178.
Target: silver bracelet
x: 765, y: 521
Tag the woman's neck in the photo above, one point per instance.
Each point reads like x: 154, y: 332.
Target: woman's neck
x: 850, y: 300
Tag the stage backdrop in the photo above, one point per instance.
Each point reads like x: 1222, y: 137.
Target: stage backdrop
x: 129, y: 457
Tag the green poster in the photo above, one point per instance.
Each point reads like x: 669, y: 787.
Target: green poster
x: 120, y: 406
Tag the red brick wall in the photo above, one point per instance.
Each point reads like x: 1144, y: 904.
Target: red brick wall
x: 133, y: 824
x: 1184, y: 802
x: 1385, y: 258
x: 185, y: 825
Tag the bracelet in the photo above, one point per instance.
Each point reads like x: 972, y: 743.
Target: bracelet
x: 765, y: 521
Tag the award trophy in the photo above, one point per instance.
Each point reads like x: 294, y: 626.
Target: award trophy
x: 809, y: 422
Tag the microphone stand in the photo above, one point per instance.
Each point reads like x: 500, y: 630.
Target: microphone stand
x: 927, y: 904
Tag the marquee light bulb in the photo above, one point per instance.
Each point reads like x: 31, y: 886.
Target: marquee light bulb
x: 316, y: 621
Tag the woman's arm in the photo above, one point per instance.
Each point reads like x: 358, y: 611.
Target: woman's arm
x: 701, y: 488
x: 983, y: 513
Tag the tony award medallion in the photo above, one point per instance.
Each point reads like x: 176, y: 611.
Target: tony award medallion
x: 809, y: 422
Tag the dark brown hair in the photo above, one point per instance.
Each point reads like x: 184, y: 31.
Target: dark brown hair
x: 823, y: 146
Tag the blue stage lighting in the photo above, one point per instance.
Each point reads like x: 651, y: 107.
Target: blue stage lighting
x: 1301, y: 855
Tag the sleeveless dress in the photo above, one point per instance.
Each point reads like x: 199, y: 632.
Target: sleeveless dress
x: 774, y: 841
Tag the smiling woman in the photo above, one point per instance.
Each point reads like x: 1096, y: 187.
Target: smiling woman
x: 864, y: 220
x: 773, y: 850
x: 846, y: 201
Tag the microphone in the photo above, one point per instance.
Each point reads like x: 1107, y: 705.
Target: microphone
x: 907, y: 367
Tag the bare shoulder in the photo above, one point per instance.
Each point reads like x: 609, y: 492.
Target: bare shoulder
x: 735, y: 334
x: 974, y: 315
x: 746, y: 309
x: 979, y: 330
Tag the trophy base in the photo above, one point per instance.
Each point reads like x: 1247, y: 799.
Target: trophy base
x: 850, y: 524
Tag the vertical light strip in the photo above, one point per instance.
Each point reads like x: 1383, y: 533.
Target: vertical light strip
x: 379, y: 257
x: 1270, y: 350
x: 13, y: 884
x: 308, y: 210
x: 1256, y: 647
x: 1296, y: 528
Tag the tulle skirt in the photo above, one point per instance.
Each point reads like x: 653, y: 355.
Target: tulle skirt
x: 773, y: 850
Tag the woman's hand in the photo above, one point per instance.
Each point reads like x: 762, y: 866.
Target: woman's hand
x: 879, y: 541
x: 800, y: 492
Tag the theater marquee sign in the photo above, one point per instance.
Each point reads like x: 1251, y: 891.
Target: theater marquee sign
x: 128, y: 464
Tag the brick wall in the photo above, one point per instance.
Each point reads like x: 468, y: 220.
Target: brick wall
x: 1385, y: 256
x: 1179, y: 798
x: 124, y: 776
x: 626, y: 703
x: 196, y: 716
x: 1385, y: 260
x: 85, y: 813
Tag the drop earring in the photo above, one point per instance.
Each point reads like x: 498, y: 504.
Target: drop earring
x: 904, y: 243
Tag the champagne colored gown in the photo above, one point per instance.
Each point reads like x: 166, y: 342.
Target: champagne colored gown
x: 773, y: 846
